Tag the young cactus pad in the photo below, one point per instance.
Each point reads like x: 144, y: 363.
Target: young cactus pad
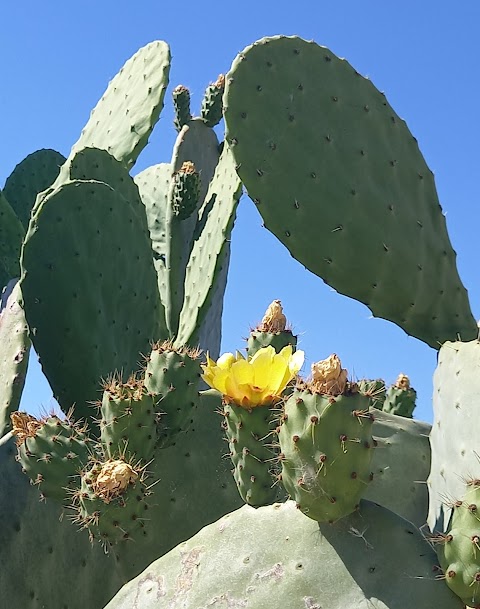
x: 339, y: 179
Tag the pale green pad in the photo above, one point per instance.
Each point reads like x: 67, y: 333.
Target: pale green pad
x: 274, y: 557
x: 454, y: 437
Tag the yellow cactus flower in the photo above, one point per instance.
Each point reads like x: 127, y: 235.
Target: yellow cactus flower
x: 256, y: 381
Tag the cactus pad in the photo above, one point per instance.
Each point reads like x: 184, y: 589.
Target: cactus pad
x: 74, y: 290
x: 34, y: 174
x: 15, y: 348
x: 11, y: 237
x: 123, y: 119
x: 275, y: 557
x: 454, y: 435
x: 338, y: 178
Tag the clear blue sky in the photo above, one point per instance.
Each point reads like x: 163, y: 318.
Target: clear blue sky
x: 56, y: 60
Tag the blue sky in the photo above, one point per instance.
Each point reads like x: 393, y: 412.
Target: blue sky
x: 57, y: 58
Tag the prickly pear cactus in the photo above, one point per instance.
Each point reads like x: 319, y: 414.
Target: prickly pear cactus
x: 234, y: 563
x: 358, y: 206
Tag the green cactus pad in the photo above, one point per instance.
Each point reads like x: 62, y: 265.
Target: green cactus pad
x: 172, y: 376
x: 459, y: 548
x: 210, y: 331
x: 38, y: 538
x: 338, y: 178
x: 15, y: 348
x: 11, y: 237
x: 208, y: 252
x: 196, y: 143
x: 154, y: 185
x: 128, y: 425
x: 52, y: 453
x: 400, y: 466
x: 212, y: 103
x: 274, y: 557
x: 326, y: 449
x: 110, y: 511
x: 34, y: 174
x: 454, y: 435
x: 181, y: 107
x: 123, y: 119
x: 250, y: 435
x: 85, y: 256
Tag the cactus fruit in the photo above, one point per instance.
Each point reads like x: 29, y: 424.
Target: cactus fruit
x: 52, y: 453
x: 326, y: 443
x: 112, y: 501
x: 272, y: 330
x: 185, y: 191
x: 128, y: 423
x: 458, y: 548
x: 181, y: 107
x: 400, y: 398
x: 212, y: 102
x: 172, y: 376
